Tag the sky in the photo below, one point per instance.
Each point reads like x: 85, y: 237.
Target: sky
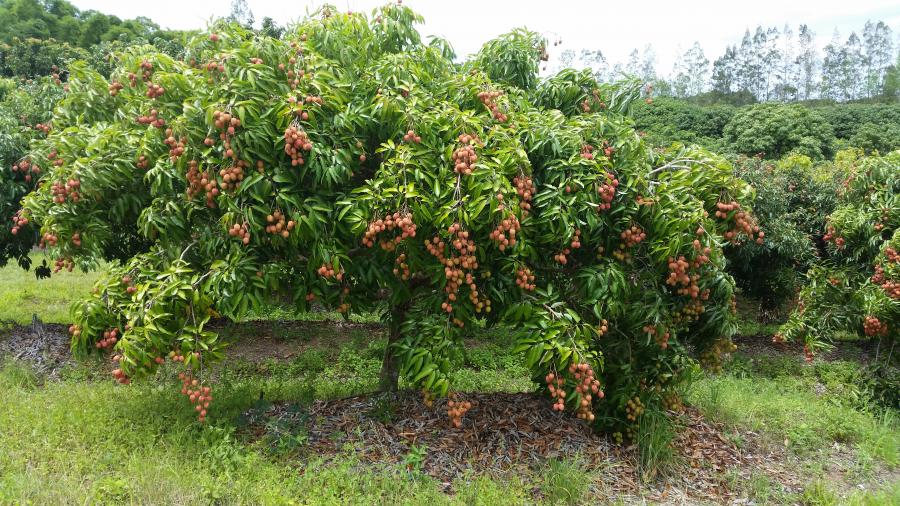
x: 615, y: 28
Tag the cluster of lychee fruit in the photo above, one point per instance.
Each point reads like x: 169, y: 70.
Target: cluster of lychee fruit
x: 632, y: 236
x: 199, y: 396
x: 603, y: 328
x: 563, y: 257
x: 634, y: 408
x: 661, y: 337
x: 121, y: 377
x: 831, y: 236
x: 464, y: 157
x: 57, y: 160
x: 129, y: 284
x: 232, y: 176
x: 240, y: 231
x: 66, y: 191
x: 607, y: 192
x: 63, y: 263
x: 327, y: 271
x: 401, y: 270
x: 110, y: 338
x: 155, y: 90
x: 143, y: 162
x: 43, y: 127
x: 48, y: 239
x: 585, y: 385
x: 504, y: 234
x: 872, y: 326
x: 680, y: 276
x: 201, y: 182
x: 227, y: 125
x: 296, y: 141
x: 487, y: 98
x: 26, y: 168
x: 555, y: 385
x: 114, y: 88
x: 456, y: 409
x: 152, y: 119
x: 525, y: 279
x: 176, y: 146
x: 411, y: 137
x: 456, y: 265
x: 278, y: 224
x: 399, y: 221
x: 525, y: 189
x: 587, y: 151
x: 19, y: 221
x: 743, y: 222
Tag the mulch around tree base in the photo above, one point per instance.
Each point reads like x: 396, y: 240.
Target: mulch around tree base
x: 502, y: 433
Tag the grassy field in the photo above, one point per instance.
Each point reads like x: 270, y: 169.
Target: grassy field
x: 22, y: 294
x: 81, y: 439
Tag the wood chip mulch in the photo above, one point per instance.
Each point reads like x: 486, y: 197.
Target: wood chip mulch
x: 505, y: 433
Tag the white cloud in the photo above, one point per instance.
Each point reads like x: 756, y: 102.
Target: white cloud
x: 614, y: 28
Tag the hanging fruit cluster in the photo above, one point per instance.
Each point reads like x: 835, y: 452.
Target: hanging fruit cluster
x: 562, y: 258
x: 586, y: 387
x: 525, y: 279
x: 121, y: 377
x: 504, y: 234
x: 872, y: 327
x: 199, y: 396
x: 115, y: 87
x: 30, y: 170
x: 634, y: 408
x: 401, y: 269
x: 743, y: 222
x: 176, y: 146
x: 110, y: 337
x: 525, y: 189
x: 143, y: 162
x: 232, y: 176
x: 19, y: 221
x: 411, y: 137
x: 240, y: 231
x: 464, y: 158
x: 831, y: 236
x: 487, y: 98
x: 660, y: 336
x: 155, y: 90
x: 152, y: 119
x: 632, y: 236
x: 607, y: 192
x: 456, y: 265
x: 66, y: 191
x: 277, y: 224
x: 555, y: 385
x: 200, y: 182
x: 295, y: 143
x: 603, y: 328
x: 401, y: 222
x: 327, y: 271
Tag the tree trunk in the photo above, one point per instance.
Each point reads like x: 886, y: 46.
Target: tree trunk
x: 390, y: 367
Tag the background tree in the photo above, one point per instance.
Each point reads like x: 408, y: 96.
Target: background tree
x: 808, y: 63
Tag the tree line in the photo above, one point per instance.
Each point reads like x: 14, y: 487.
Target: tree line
x: 769, y: 64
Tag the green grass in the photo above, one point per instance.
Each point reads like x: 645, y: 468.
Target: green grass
x: 810, y: 409
x: 77, y: 441
x: 22, y: 294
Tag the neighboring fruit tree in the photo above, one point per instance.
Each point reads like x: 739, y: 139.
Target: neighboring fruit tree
x: 25, y: 111
x: 354, y: 166
x: 858, y: 289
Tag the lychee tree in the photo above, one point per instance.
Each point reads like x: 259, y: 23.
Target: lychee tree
x: 857, y: 289
x: 353, y: 165
x: 25, y: 110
